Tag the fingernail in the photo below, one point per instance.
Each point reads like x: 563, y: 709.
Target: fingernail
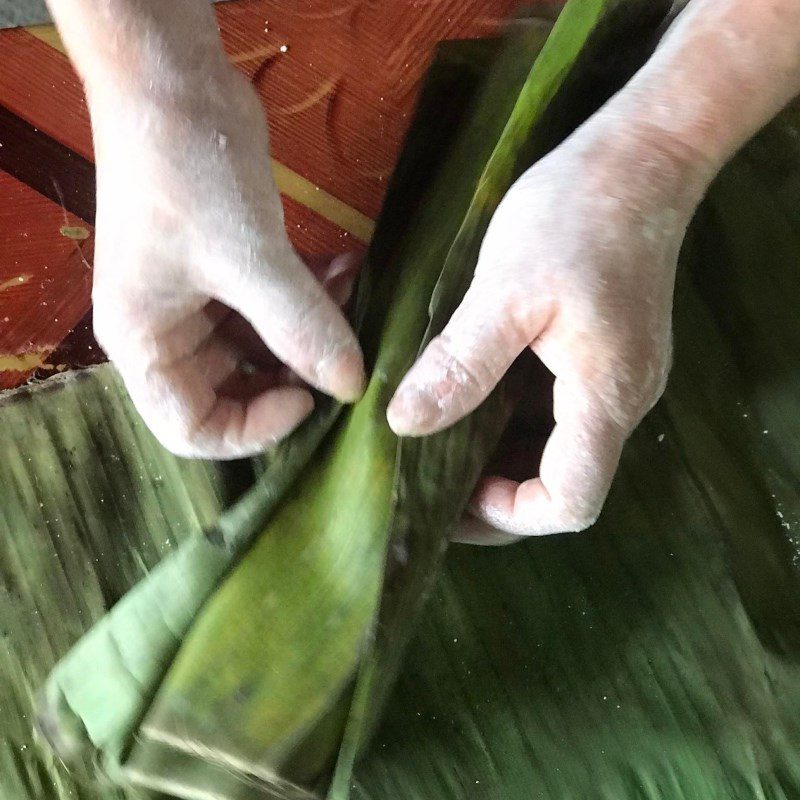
x: 413, y: 412
x: 343, y: 376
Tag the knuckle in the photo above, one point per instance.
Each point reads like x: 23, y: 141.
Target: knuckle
x: 459, y: 367
x: 178, y: 434
x: 578, y: 519
x: 522, y: 313
x: 173, y: 421
x: 631, y: 383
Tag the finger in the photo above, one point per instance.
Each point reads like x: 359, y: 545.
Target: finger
x: 241, y: 428
x: 472, y: 530
x: 339, y: 276
x: 303, y: 327
x: 575, y: 474
x: 182, y: 404
x: 142, y: 331
x: 243, y: 337
x: 337, y: 273
x: 460, y: 367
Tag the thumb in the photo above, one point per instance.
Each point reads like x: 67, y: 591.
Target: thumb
x: 460, y: 367
x: 296, y: 318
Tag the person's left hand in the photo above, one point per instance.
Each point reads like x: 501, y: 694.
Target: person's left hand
x: 578, y: 264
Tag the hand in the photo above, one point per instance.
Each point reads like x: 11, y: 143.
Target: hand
x: 578, y: 264
x: 195, y: 279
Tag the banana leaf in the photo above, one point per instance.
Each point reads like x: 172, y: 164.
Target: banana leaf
x: 654, y: 657
x: 280, y: 677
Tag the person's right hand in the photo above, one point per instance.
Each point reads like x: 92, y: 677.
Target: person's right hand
x: 195, y: 279
x: 578, y: 266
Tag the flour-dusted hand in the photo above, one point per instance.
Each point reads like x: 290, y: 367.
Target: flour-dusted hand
x: 578, y: 264
x: 199, y: 298
x: 579, y: 261
x: 190, y: 243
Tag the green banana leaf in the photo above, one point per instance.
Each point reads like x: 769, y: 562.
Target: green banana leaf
x: 279, y: 665
x: 655, y: 656
x: 78, y: 718
x: 305, y: 595
x: 90, y: 504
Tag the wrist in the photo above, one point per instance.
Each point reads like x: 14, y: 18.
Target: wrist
x: 141, y: 49
x: 645, y: 162
x: 219, y: 103
x: 169, y: 78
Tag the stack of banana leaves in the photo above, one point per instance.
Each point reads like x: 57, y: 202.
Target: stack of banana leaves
x: 292, y: 627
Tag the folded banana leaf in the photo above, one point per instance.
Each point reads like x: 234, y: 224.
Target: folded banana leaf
x: 654, y: 657
x: 278, y: 681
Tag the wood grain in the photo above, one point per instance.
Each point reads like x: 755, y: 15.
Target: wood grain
x: 339, y: 100
x: 45, y: 283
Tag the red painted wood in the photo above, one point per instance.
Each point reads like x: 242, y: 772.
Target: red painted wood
x: 339, y: 101
x: 314, y: 236
x: 39, y: 84
x: 44, y: 283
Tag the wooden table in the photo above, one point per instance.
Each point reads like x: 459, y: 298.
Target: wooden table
x: 339, y: 97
